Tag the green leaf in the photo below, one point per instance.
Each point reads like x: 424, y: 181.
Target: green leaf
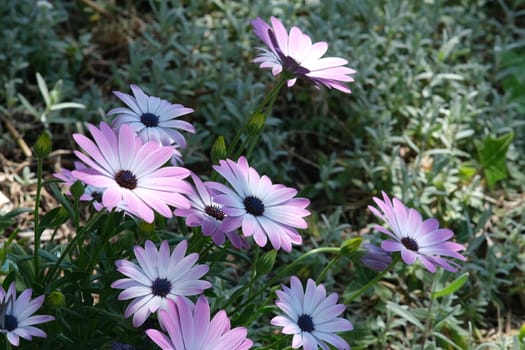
x: 492, y: 157
x: 452, y: 287
x: 407, y: 315
x: 43, y: 89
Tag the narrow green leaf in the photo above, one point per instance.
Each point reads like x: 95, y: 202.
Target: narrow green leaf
x: 64, y: 105
x: 452, y: 287
x: 28, y: 106
x: 43, y: 89
x: 407, y: 315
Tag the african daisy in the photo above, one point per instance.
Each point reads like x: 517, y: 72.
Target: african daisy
x: 311, y: 316
x: 295, y: 54
x: 152, y: 118
x: 130, y: 174
x: 158, y: 277
x: 414, y: 238
x: 189, y: 328
x: 16, y: 315
x: 207, y: 214
x: 263, y: 210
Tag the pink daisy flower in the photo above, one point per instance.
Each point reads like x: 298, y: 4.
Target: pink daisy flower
x: 189, y: 328
x: 152, y: 118
x: 207, y: 214
x: 16, y: 315
x: 414, y: 238
x: 158, y: 277
x: 311, y: 316
x: 263, y: 210
x: 130, y: 173
x: 294, y: 53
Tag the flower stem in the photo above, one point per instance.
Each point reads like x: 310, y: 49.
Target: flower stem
x: 290, y: 267
x: 327, y: 268
x: 270, y: 97
x: 372, y: 281
x: 77, y: 239
x: 37, y: 229
x: 429, y: 318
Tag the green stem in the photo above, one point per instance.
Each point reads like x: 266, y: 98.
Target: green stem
x: 327, y: 268
x: 248, y: 286
x: 290, y: 267
x: 38, y: 231
x: 428, y: 321
x: 321, y: 250
x: 271, y: 96
x: 372, y: 281
x: 78, y: 238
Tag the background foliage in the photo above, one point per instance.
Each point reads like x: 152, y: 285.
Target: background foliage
x: 436, y: 118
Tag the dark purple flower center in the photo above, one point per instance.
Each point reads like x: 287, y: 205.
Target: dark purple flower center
x: 150, y: 120
x: 306, y: 323
x: 288, y: 63
x: 214, y: 211
x: 253, y: 205
x: 126, y: 179
x: 161, y: 287
x: 410, y: 243
x: 10, y: 323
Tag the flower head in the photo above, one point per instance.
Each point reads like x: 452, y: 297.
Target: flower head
x: 375, y: 257
x: 263, y: 210
x: 158, y: 277
x: 311, y: 316
x: 207, y: 214
x: 130, y: 174
x: 16, y: 318
x: 414, y: 238
x: 189, y: 328
x: 152, y: 118
x: 295, y: 54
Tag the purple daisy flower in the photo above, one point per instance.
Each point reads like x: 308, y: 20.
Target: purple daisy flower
x: 415, y: 238
x: 295, y: 54
x: 152, y: 118
x: 375, y: 257
x: 263, y: 210
x: 158, y: 277
x: 130, y: 173
x: 207, y: 214
x: 311, y: 316
x: 189, y: 328
x: 16, y: 315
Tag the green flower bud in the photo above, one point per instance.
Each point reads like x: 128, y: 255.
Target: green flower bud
x: 255, y: 124
x: 56, y: 299
x: 266, y: 262
x: 218, y: 150
x: 42, y: 146
x: 350, y: 246
x: 77, y: 189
